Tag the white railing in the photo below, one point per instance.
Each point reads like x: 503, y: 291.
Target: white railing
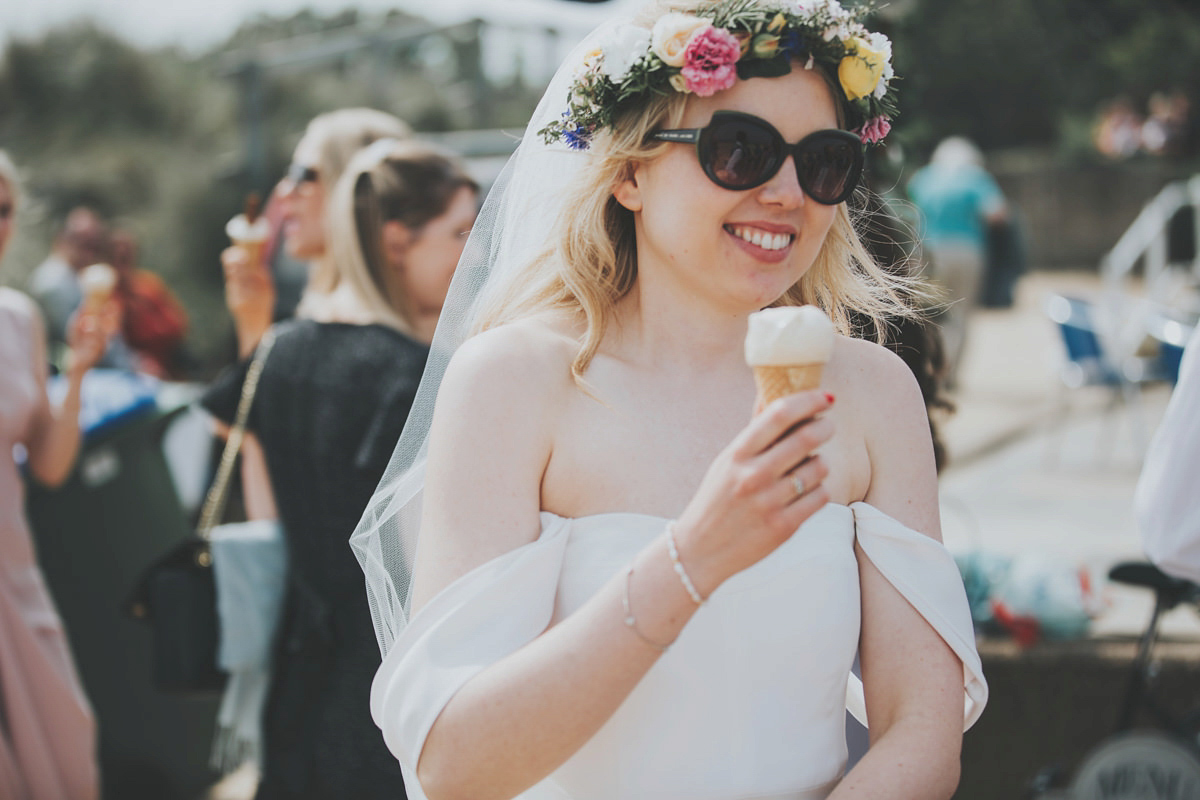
x: 1146, y: 239
x: 1125, y: 311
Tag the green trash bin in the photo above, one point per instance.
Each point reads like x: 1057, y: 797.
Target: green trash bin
x: 94, y: 535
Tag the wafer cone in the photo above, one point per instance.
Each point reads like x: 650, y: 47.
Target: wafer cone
x: 253, y: 248
x: 96, y: 300
x: 249, y: 231
x: 97, y: 282
x: 775, y: 382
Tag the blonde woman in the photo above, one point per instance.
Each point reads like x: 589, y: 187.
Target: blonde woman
x: 331, y: 402
x: 47, y: 731
x: 328, y: 144
x: 624, y: 582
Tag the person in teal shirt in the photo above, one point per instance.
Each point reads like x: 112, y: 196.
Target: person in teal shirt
x: 958, y: 201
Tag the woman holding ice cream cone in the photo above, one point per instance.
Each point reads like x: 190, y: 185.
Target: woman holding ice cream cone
x: 596, y: 572
x: 47, y: 731
x: 328, y: 144
x: 332, y: 399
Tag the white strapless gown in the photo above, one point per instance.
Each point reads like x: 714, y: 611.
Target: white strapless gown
x: 748, y: 703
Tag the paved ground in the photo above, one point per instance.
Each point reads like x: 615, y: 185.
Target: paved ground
x: 1027, y: 479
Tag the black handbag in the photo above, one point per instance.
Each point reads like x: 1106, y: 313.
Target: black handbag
x: 177, y: 593
x: 177, y: 596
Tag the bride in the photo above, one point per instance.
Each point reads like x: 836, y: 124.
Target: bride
x: 628, y: 583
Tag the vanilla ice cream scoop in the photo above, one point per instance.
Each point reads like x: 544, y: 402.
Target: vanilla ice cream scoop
x: 241, y: 230
x: 789, y: 335
x: 97, y: 283
x: 788, y: 347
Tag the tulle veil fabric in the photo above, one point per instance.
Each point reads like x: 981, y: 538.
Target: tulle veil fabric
x: 511, y: 230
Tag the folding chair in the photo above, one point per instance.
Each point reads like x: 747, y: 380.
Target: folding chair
x: 1089, y: 364
x: 1171, y: 334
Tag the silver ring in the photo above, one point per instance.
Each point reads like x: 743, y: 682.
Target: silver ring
x: 798, y: 484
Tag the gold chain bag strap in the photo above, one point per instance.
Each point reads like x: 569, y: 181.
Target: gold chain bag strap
x: 176, y: 594
x: 218, y: 495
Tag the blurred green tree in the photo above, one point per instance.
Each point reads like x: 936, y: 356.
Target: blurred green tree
x: 153, y: 138
x: 1013, y: 73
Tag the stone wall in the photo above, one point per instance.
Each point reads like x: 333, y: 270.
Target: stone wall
x: 1054, y: 702
x: 1074, y: 214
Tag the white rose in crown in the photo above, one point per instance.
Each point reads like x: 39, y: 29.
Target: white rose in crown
x: 671, y: 34
x: 628, y: 44
x: 882, y: 45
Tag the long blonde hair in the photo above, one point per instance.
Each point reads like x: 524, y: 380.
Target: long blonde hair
x: 591, y: 262
x: 409, y: 182
x: 338, y: 135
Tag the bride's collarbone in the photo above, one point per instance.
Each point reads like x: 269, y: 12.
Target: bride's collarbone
x: 618, y: 457
x: 616, y: 460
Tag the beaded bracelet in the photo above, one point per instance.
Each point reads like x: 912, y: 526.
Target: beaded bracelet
x: 679, y: 570
x: 630, y: 622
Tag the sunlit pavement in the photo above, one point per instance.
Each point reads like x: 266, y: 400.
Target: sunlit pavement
x: 1025, y: 479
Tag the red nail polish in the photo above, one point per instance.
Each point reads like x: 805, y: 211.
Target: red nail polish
x: 829, y: 397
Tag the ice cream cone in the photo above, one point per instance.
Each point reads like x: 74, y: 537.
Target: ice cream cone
x: 253, y: 247
x: 97, y: 283
x: 775, y: 382
x: 787, y: 348
x: 250, y: 230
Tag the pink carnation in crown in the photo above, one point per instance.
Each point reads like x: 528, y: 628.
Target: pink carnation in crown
x: 874, y: 130
x: 710, y: 61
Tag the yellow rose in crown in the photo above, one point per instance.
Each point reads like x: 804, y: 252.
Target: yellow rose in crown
x: 860, y: 71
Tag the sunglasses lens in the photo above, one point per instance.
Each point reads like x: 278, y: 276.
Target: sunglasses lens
x: 828, y: 167
x: 299, y: 173
x: 739, y: 154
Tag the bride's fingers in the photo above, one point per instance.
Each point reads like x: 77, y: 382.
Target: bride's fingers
x: 797, y: 445
x: 776, y: 420
x: 803, y: 507
x: 808, y: 476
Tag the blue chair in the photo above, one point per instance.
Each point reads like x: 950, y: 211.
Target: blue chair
x: 1172, y: 335
x: 1089, y: 364
x: 1170, y: 355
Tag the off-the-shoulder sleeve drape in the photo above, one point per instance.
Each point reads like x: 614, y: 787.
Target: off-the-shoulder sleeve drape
x: 502, y: 605
x: 923, y: 571
x: 485, y: 615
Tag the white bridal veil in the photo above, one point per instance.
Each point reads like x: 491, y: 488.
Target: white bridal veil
x: 511, y: 230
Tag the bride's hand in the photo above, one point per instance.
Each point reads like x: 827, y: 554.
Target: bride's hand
x: 747, y: 504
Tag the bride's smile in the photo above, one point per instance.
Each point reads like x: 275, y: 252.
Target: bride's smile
x: 735, y: 249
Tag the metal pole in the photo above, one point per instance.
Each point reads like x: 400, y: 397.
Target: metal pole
x: 251, y: 76
x: 479, y: 81
x: 1194, y: 198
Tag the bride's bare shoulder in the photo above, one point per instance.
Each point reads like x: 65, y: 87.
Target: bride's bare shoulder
x: 862, y: 362
x: 527, y: 361
x: 875, y: 384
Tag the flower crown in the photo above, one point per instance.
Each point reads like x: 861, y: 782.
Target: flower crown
x: 706, y: 52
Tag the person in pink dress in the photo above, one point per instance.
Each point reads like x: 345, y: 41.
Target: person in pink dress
x: 47, y: 731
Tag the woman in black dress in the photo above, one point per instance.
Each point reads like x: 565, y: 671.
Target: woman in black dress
x: 331, y: 403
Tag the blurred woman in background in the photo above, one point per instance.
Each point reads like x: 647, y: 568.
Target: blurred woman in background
x: 332, y: 400
x: 328, y: 144
x: 47, y: 731
x: 959, y: 202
